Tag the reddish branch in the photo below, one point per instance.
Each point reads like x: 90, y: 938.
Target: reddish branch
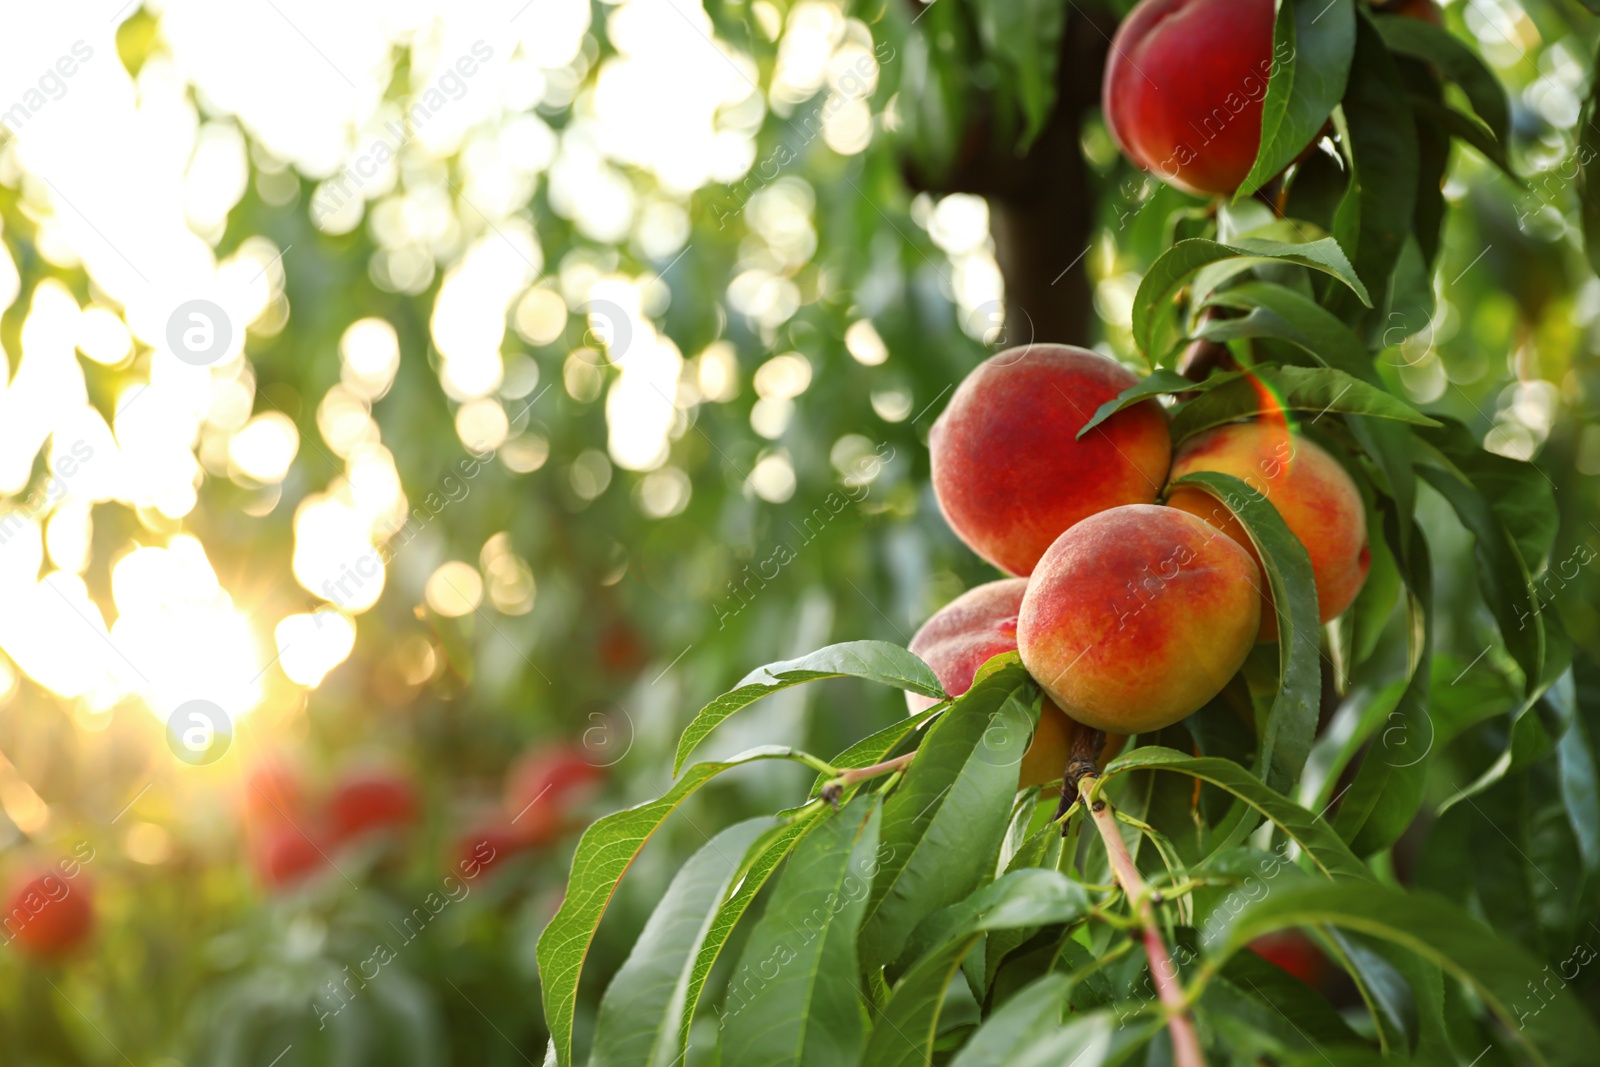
x: 1185, y: 1039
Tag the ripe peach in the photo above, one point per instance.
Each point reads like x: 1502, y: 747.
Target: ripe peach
x: 487, y: 842
x: 544, y: 786
x: 1315, y: 496
x: 1294, y: 952
x: 285, y: 856
x: 369, y: 800
x: 1426, y: 10
x: 964, y: 635
x: 1184, y: 85
x: 46, y: 915
x: 273, y: 793
x: 1008, y: 469
x: 1137, y: 616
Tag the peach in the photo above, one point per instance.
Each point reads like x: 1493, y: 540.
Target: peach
x: 1183, y: 89
x: 1315, y: 496
x: 46, y: 915
x: 1426, y: 10
x: 285, y: 856
x: 544, y: 788
x: 371, y: 800
x: 968, y: 632
x: 1294, y: 952
x: 1008, y: 468
x: 1137, y: 616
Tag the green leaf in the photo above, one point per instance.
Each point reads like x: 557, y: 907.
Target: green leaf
x: 1387, y: 790
x: 1031, y: 1014
x: 1281, y: 313
x: 1530, y: 740
x: 604, y: 854
x: 942, y: 826
x: 1158, y: 383
x: 1522, y: 497
x: 908, y: 1025
x: 1028, y: 896
x: 1580, y: 783
x: 1557, y: 1031
x: 1327, y: 852
x: 761, y: 860
x: 1382, y: 988
x: 1168, y: 274
x: 1257, y: 996
x: 1466, y: 128
x: 1456, y: 60
x: 1503, y: 576
x: 642, y: 1010
x: 875, y: 661
x: 1379, y: 136
x: 877, y: 747
x: 1278, y: 312
x: 1292, y: 720
x: 1312, y: 46
x: 1098, y: 1038
x: 793, y: 1000
x: 1043, y: 848
x: 1268, y: 390
x: 1024, y: 37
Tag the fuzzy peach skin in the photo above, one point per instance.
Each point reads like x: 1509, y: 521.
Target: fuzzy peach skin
x: 1137, y: 616
x: 1315, y: 496
x: 1008, y: 469
x: 968, y: 632
x: 1184, y: 84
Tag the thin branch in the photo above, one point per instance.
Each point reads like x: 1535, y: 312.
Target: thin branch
x: 1185, y: 1039
x: 855, y: 775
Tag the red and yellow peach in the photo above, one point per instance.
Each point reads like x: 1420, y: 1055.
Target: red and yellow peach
x: 1314, y: 495
x: 1137, y: 616
x: 1184, y: 86
x: 968, y: 632
x: 1008, y: 468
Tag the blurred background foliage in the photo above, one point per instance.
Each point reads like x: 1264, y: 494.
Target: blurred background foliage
x: 683, y: 289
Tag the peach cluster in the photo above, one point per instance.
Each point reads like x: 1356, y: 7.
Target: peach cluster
x: 1130, y: 613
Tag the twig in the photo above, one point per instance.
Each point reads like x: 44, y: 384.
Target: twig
x: 847, y: 778
x: 1185, y: 1039
x: 1083, y: 757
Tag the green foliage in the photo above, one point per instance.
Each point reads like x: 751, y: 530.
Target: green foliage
x: 1168, y: 274
x: 1415, y: 787
x: 873, y: 660
x: 1292, y: 720
x: 1312, y: 46
x: 988, y: 933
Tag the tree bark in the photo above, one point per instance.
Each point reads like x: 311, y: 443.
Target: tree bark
x: 1041, y: 211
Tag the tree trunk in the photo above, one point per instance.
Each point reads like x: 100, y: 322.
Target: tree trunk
x: 1041, y: 211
